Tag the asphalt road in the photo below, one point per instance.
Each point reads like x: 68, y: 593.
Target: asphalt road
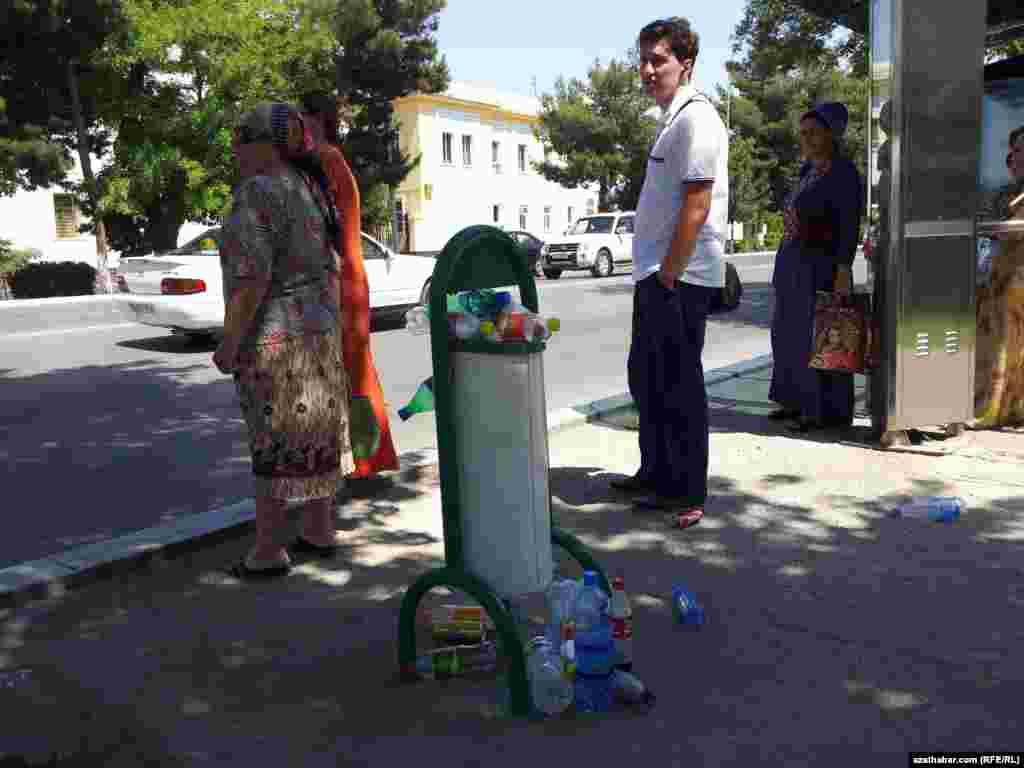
x: 108, y: 427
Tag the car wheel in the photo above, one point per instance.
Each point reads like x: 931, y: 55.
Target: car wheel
x: 603, y: 264
x: 425, y: 295
x: 552, y: 274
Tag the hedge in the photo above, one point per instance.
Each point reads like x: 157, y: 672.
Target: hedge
x: 43, y: 280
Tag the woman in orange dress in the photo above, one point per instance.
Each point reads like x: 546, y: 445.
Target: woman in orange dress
x: 370, y: 431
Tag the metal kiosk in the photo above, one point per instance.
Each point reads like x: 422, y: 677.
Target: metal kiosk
x: 932, y: 113
x: 481, y: 257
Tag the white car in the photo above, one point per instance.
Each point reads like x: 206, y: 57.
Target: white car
x: 183, y: 290
x: 596, y: 242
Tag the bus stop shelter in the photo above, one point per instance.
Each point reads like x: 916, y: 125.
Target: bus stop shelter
x: 937, y: 142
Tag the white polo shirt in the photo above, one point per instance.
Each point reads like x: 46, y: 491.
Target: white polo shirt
x: 693, y: 146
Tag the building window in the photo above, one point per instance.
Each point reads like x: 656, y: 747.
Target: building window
x: 67, y: 215
x: 590, y: 207
x: 547, y: 218
x: 496, y: 213
x: 572, y: 214
x: 523, y: 213
x: 496, y: 156
x: 522, y: 158
x: 467, y: 150
x: 446, y: 148
x: 428, y: 192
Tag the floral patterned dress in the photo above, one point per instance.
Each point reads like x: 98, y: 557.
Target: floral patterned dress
x: 291, y: 380
x: 999, y: 357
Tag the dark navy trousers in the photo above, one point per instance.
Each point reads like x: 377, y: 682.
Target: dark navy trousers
x: 666, y: 380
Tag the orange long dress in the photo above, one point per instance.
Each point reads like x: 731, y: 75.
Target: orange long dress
x: 362, y: 373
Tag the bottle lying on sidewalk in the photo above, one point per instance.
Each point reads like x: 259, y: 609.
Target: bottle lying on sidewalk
x: 937, y: 509
x: 422, y: 401
x: 457, y: 661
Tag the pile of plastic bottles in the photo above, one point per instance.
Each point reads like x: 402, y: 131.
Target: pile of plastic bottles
x: 586, y: 656
x: 583, y: 660
x: 486, y: 314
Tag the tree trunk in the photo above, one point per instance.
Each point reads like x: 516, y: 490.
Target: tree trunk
x: 103, y: 274
x: 166, y: 218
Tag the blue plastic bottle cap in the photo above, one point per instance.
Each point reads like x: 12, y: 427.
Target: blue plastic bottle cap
x: 590, y: 578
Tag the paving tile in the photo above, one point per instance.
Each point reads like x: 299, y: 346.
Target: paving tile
x: 741, y: 388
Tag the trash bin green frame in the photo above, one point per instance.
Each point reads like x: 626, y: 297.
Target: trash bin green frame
x: 476, y: 258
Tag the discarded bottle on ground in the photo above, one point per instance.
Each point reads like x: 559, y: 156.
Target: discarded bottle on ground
x: 417, y: 320
x: 631, y: 690
x: 595, y: 649
x: 685, y: 608
x: 561, y: 631
x: 551, y: 692
x: 622, y: 625
x: 455, y: 661
x: 937, y: 509
x: 422, y: 401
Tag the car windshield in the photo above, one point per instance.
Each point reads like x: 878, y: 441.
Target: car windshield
x: 197, y: 245
x: 599, y: 225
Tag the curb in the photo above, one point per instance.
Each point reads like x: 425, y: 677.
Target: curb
x: 93, y: 298
x: 50, y: 576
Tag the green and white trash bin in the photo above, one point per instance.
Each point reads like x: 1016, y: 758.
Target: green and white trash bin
x: 492, y: 442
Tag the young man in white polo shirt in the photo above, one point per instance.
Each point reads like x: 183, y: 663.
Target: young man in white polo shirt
x: 680, y: 230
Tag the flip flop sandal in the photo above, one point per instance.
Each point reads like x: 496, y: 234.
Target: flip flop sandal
x: 301, y: 546
x: 241, y: 570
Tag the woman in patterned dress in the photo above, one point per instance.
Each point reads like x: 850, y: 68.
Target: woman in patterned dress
x: 281, y: 266
x: 822, y: 223
x: 999, y: 358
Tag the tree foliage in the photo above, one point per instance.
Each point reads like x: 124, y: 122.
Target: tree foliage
x: 387, y: 50
x: 600, y: 133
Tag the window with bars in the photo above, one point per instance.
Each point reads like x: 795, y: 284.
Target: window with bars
x: 446, y: 149
x: 572, y: 214
x: 467, y: 150
x: 496, y: 156
x: 547, y: 218
x: 523, y: 216
x: 67, y: 215
x: 522, y: 158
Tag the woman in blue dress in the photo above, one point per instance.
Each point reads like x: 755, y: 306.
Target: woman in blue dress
x: 822, y: 224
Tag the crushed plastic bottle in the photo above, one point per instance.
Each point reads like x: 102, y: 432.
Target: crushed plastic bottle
x: 417, y: 320
x: 458, y: 660
x: 464, y: 325
x: 685, y: 608
x: 937, y: 509
x: 595, y: 649
x: 622, y: 625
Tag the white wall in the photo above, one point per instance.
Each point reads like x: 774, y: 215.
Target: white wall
x: 463, y: 196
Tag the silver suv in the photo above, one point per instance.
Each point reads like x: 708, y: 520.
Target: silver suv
x: 597, y: 242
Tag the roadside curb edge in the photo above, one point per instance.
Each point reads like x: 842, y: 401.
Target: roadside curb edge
x: 50, y: 576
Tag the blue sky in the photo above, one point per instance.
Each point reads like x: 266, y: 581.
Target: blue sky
x: 505, y: 44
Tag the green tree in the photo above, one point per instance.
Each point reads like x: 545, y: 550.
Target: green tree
x: 386, y: 49
x: 599, y: 132
x: 54, y: 85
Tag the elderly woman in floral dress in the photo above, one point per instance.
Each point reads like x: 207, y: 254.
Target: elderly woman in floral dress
x: 280, y: 261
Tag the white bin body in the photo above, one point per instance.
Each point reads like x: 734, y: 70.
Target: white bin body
x: 502, y: 454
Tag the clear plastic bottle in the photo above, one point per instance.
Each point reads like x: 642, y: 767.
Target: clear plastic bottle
x: 455, y: 661
x: 465, y: 326
x: 561, y: 630
x: 551, y: 692
x: 937, y: 509
x: 595, y: 649
x: 417, y: 320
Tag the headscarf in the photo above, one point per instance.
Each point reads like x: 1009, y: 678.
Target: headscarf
x: 833, y: 115
x: 282, y: 125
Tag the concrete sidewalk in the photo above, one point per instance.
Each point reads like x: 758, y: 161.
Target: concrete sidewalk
x: 834, y: 633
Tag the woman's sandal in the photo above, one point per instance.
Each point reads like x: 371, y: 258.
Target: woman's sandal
x: 303, y: 547
x: 241, y: 570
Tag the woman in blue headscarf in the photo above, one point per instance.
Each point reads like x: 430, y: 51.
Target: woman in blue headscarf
x: 822, y: 224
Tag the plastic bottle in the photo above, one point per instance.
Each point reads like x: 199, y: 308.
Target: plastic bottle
x: 685, y: 608
x: 417, y: 320
x: 464, y: 325
x: 551, y: 692
x: 458, y: 660
x: 561, y: 631
x: 595, y: 649
x: 631, y: 690
x: 516, y: 323
x: 937, y: 509
x: 483, y: 304
x: 422, y: 401
x: 622, y: 625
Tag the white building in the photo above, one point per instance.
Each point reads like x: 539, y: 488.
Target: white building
x: 477, y: 146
